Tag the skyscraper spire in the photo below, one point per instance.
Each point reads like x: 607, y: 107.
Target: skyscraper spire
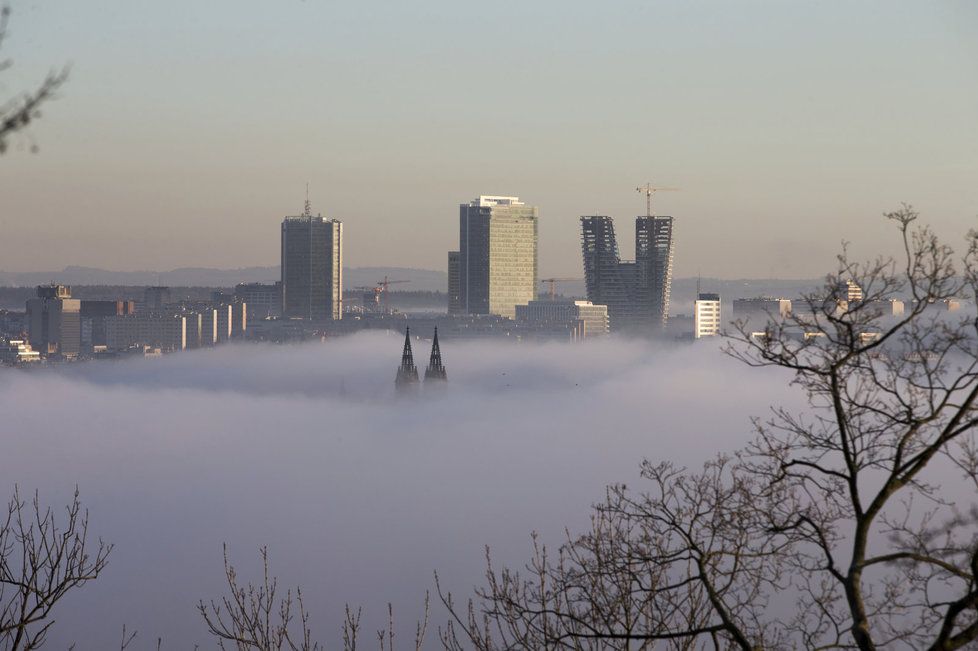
x: 308, y: 210
x: 435, y: 370
x: 407, y: 373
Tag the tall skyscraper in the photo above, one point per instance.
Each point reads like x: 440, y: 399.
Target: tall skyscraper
x: 454, y: 295
x: 312, y: 267
x: 636, y: 292
x: 497, y: 255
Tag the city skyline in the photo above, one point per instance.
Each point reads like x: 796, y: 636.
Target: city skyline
x: 742, y: 413
x: 807, y: 147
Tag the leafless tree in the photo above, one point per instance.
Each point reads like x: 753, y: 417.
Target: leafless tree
x: 17, y: 113
x: 251, y: 618
x: 41, y: 560
x: 835, y: 528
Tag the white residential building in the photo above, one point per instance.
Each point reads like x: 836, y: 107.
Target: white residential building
x: 706, y: 316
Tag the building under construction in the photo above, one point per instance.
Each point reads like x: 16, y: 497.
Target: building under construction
x: 635, y: 291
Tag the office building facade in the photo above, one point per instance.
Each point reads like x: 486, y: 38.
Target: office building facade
x: 637, y: 292
x: 706, y: 316
x: 264, y: 300
x: 168, y: 332
x: 759, y: 311
x: 497, y: 255
x: 54, y: 322
x: 312, y: 268
x: 579, y: 319
x: 454, y: 284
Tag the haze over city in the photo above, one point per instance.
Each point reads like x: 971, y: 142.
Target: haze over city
x: 535, y: 325
x: 187, y: 131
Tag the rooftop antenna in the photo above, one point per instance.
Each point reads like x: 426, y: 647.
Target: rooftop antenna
x: 308, y: 211
x: 698, y: 277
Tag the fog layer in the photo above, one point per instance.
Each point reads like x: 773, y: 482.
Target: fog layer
x: 358, y: 495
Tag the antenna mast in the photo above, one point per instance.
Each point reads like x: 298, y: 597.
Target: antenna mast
x: 308, y: 210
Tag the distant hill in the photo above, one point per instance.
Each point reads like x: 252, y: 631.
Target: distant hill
x: 419, y: 279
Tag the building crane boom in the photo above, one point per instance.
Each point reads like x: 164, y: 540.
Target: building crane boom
x: 553, y: 285
x: 648, y: 189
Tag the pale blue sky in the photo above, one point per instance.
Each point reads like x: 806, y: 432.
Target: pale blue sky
x: 188, y: 129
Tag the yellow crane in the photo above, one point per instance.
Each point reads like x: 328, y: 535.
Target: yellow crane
x: 648, y: 189
x: 553, y: 285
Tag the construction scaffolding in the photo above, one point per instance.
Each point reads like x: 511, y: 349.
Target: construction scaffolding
x: 636, y: 292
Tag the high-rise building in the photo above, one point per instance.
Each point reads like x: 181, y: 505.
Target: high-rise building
x: 636, y: 292
x: 497, y: 255
x: 706, y: 316
x: 454, y: 296
x: 54, y: 321
x: 312, y: 267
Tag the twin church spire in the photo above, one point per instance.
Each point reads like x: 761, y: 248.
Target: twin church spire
x: 407, y: 373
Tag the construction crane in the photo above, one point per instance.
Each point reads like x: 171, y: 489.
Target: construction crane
x: 371, y: 296
x: 553, y: 285
x: 648, y: 189
x: 383, y: 286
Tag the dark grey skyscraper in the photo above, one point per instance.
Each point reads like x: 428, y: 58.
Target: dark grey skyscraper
x: 636, y: 292
x: 454, y: 292
x: 312, y: 267
x: 497, y: 255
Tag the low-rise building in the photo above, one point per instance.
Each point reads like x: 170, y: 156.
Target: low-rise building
x: 168, y: 332
x: 17, y: 351
x: 263, y: 300
x: 93, y: 315
x: 760, y: 310
x: 577, y: 320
